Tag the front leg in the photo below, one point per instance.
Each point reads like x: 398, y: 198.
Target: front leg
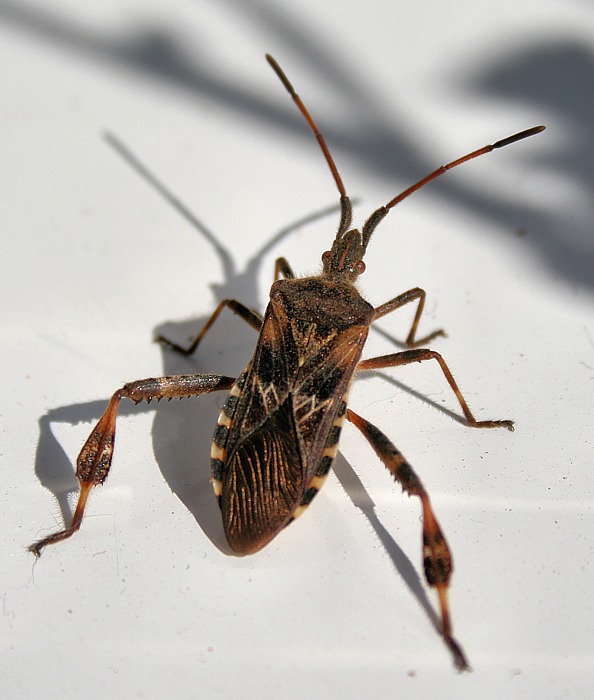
x: 251, y: 317
x: 437, y: 559
x: 416, y: 294
x: 94, y: 461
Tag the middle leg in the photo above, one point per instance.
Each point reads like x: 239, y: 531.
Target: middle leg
x: 420, y: 355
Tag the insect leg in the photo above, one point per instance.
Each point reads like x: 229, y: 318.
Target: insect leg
x: 94, y: 460
x: 420, y: 355
x: 251, y: 317
x: 437, y: 560
x: 416, y: 294
x: 282, y: 268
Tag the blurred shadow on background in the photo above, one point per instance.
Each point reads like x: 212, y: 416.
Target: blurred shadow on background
x: 557, y: 76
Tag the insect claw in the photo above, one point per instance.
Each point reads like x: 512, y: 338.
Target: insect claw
x: 460, y: 661
x: 508, y: 424
x: 35, y: 549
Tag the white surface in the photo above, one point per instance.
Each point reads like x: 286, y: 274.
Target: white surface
x: 142, y: 603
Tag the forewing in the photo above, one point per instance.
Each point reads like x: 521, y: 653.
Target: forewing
x: 263, y: 484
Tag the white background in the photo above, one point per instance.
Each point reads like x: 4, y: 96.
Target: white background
x: 144, y: 602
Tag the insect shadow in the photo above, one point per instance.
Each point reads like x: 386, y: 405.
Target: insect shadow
x: 182, y: 430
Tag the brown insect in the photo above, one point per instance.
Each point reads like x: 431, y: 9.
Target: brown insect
x: 277, y: 432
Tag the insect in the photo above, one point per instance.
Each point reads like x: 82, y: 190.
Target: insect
x: 277, y: 432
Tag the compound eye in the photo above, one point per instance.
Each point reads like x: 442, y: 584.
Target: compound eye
x: 359, y: 267
x: 326, y: 257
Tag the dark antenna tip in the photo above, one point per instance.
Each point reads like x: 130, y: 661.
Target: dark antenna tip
x: 345, y: 204
x: 518, y: 137
x: 280, y: 73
